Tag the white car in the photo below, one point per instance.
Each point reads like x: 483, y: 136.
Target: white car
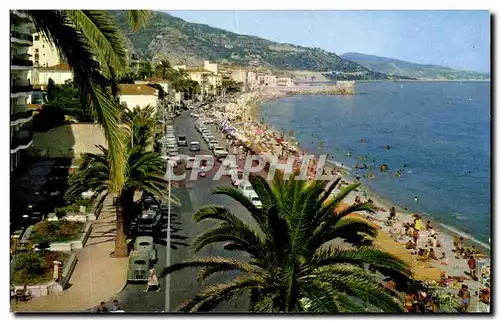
x: 209, y: 137
x: 194, y: 146
x: 247, y: 189
x: 172, y: 160
x: 236, y: 177
x: 256, y: 201
x: 219, y: 151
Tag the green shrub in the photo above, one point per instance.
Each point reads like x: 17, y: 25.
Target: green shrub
x: 32, y: 263
x: 60, y: 213
x: 44, y: 244
x: 57, y: 231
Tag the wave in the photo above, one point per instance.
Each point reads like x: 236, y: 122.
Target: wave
x: 340, y: 165
x: 464, y: 235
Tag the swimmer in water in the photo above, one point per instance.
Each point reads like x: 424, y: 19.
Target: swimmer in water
x: 416, y: 198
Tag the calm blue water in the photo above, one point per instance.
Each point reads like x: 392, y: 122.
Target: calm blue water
x: 439, y: 130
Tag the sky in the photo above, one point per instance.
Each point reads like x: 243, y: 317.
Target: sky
x: 458, y: 39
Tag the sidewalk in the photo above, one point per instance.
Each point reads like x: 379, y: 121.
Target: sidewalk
x: 97, y: 277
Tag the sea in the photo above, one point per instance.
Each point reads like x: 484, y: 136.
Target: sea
x: 433, y: 136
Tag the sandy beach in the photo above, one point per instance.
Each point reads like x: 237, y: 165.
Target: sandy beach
x: 243, y: 114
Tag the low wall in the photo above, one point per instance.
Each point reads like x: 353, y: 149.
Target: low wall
x: 52, y: 286
x: 74, y: 244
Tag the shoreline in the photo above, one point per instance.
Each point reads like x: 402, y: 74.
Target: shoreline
x: 245, y: 116
x: 332, y: 164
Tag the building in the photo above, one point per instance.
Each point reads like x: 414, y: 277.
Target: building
x: 43, y: 53
x: 285, y: 81
x: 60, y: 74
x: 21, y: 118
x: 267, y: 80
x: 138, y: 95
x: 167, y: 87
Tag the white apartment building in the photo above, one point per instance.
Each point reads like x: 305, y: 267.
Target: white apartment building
x: 58, y: 73
x: 43, y: 53
x: 21, y: 125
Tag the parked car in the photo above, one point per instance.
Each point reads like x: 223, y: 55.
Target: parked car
x: 212, y: 143
x: 181, y: 140
x: 138, y: 266
x: 146, y: 244
x: 194, y: 146
x: 219, y: 152
x: 237, y: 177
x: 247, y: 189
x: 148, y: 222
x: 256, y: 201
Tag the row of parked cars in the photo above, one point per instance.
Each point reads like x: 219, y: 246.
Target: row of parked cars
x: 147, y: 225
x: 219, y: 152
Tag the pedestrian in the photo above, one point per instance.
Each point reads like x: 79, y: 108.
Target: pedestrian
x: 472, y: 266
x: 464, y: 295
x: 101, y: 308
x: 116, y: 307
x: 152, y: 280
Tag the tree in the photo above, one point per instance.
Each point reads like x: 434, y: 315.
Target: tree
x: 145, y: 172
x: 292, y: 265
x: 144, y: 124
x: 163, y: 69
x: 145, y: 70
x: 65, y: 98
x: 94, y: 48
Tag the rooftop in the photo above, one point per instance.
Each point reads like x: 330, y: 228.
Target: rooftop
x: 198, y: 70
x: 136, y: 89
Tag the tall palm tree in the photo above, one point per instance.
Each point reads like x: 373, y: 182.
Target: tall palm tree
x: 94, y: 48
x: 292, y: 265
x: 145, y: 172
x: 163, y: 69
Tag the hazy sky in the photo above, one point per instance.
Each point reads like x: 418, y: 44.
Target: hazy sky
x: 459, y: 39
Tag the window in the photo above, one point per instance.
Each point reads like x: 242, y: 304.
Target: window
x: 37, y: 38
x: 43, y: 46
x: 36, y: 50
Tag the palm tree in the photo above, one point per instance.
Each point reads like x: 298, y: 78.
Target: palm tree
x: 292, y: 265
x: 145, y: 172
x: 163, y: 69
x: 94, y: 48
x: 144, y: 124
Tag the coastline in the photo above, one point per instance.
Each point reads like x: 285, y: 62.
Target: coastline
x: 332, y: 164
x: 247, y: 110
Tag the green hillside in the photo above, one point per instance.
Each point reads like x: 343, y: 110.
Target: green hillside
x: 419, y: 71
x: 189, y: 43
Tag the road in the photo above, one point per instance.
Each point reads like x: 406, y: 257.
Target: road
x: 193, y: 195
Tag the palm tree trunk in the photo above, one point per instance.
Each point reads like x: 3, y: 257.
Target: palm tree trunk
x: 121, y: 249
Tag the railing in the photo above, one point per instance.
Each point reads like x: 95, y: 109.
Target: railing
x: 19, y: 141
x: 21, y: 61
x: 21, y: 115
x: 21, y: 35
x: 21, y: 88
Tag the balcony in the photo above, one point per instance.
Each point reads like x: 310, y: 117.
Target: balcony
x: 21, y: 117
x: 21, y: 38
x: 19, y: 15
x: 21, y: 143
x: 21, y: 62
x: 21, y: 87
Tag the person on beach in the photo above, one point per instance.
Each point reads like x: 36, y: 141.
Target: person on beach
x: 392, y: 215
x: 464, y: 295
x: 472, y: 266
x: 417, y: 223
x: 416, y: 235
x: 444, y: 260
x: 432, y: 254
x: 428, y: 225
x: 357, y: 200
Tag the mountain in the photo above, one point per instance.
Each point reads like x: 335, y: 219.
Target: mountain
x: 187, y: 43
x: 419, y: 71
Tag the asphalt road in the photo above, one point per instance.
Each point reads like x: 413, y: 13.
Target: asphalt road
x: 193, y: 195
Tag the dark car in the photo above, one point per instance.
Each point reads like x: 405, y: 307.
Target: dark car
x: 148, y: 222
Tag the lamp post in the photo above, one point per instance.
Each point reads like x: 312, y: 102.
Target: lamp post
x: 167, y: 286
